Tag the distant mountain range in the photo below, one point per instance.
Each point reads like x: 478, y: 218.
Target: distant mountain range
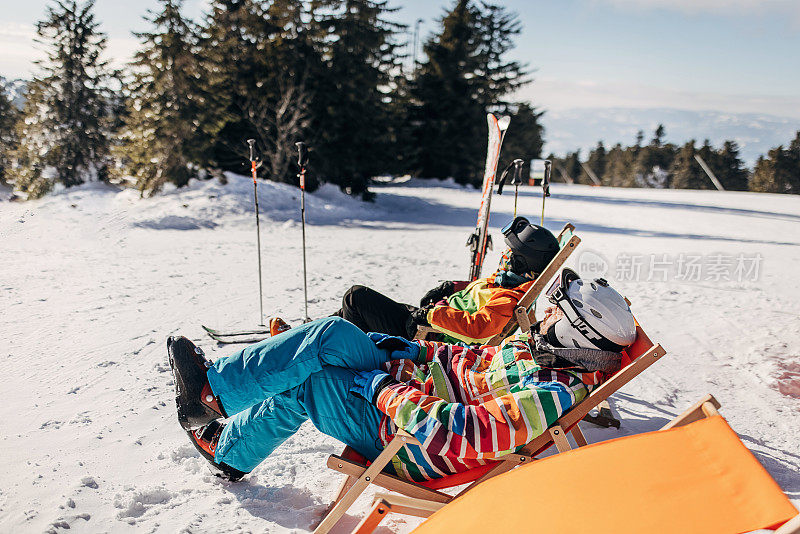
x: 16, y: 89
x: 571, y: 129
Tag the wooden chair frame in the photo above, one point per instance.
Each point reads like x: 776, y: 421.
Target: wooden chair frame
x: 385, y: 503
x: 359, y: 475
x: 524, y: 315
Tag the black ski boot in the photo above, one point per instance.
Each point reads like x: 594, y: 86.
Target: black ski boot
x: 196, y: 402
x: 205, y: 440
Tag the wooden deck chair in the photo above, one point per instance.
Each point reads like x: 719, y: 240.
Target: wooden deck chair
x: 635, y: 359
x: 524, y: 314
x: 568, y: 241
x: 693, y: 475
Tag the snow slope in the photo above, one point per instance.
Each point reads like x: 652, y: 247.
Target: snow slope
x: 94, y: 280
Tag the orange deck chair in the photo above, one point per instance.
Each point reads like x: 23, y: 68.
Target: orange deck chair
x: 638, y: 357
x: 692, y: 476
x: 525, y: 314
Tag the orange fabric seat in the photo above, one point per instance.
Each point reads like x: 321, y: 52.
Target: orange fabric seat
x: 695, y: 478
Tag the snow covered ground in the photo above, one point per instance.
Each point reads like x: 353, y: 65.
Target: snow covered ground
x: 93, y: 280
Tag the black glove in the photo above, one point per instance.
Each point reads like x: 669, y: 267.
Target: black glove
x: 443, y: 290
x: 416, y: 318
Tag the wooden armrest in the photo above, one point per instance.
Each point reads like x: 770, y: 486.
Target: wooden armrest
x: 390, y: 482
x: 403, y: 504
x: 705, y: 407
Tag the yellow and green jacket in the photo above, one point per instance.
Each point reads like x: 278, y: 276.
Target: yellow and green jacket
x: 480, y: 310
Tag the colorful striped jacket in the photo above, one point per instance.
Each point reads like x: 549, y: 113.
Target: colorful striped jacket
x: 479, y: 311
x: 471, y: 405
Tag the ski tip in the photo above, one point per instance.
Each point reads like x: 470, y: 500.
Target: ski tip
x: 238, y: 341
x: 503, y: 122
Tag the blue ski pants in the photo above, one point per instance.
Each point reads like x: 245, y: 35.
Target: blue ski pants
x: 269, y: 389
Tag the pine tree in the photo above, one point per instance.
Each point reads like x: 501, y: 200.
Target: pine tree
x: 658, y: 136
x: 607, y: 178
x: 233, y: 47
x: 524, y: 138
x: 794, y: 164
x: 639, y: 140
x: 465, y: 76
x: 498, y: 77
x: 401, y: 109
x: 265, y: 60
x: 356, y: 130
x: 730, y: 169
x: 8, y: 131
x: 597, y: 160
x: 779, y: 172
x: 652, y: 161
x: 685, y: 172
x: 620, y: 169
x: 171, y: 119
x: 450, y: 117
x: 572, y: 166
x: 767, y: 177
x: 65, y: 134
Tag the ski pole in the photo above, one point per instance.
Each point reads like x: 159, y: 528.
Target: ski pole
x: 302, y: 160
x: 515, y: 168
x: 254, y: 164
x: 516, y: 179
x: 545, y: 184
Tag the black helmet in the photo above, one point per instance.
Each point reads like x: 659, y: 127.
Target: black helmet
x: 532, y: 246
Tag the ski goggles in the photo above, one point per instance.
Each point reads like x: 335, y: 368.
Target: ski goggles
x: 557, y: 294
x: 517, y: 262
x: 517, y: 224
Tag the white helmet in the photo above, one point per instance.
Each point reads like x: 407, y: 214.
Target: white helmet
x: 595, y: 315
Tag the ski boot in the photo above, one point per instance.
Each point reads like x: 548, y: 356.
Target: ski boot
x: 277, y: 325
x: 205, y: 440
x: 196, y: 402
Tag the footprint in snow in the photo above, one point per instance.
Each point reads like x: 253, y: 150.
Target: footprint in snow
x: 136, y: 505
x: 66, y: 523
x: 89, y: 482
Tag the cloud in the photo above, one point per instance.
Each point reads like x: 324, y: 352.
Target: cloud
x: 16, y: 30
x: 120, y: 50
x: 18, y: 50
x: 554, y: 94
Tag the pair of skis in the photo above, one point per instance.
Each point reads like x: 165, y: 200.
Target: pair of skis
x: 258, y: 333
x: 253, y: 335
x: 262, y: 332
x: 480, y: 238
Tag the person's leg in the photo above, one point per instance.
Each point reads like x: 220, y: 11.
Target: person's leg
x: 325, y: 398
x: 251, y: 435
x: 283, y: 362
x: 374, y: 312
x: 336, y: 411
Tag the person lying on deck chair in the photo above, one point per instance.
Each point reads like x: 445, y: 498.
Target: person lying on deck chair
x: 466, y: 405
x: 467, y: 312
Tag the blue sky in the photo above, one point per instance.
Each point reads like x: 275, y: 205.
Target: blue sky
x: 736, y: 56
